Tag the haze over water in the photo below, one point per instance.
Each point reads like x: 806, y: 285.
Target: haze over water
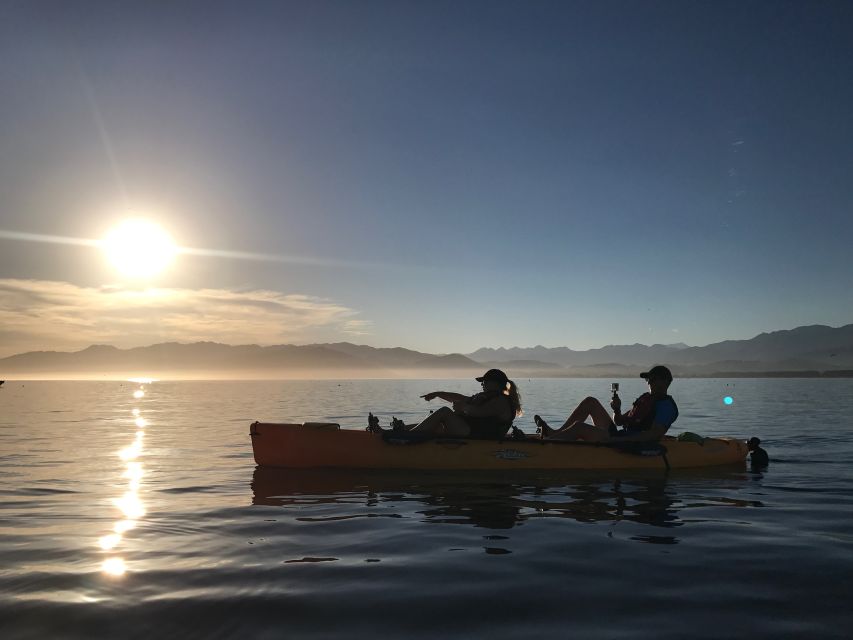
x: 135, y: 510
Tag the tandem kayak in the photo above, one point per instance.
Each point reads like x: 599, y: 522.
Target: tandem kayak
x: 325, y: 445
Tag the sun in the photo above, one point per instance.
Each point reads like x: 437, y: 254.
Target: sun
x: 139, y: 248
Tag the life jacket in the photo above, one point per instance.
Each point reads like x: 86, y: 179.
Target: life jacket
x: 641, y: 416
x: 488, y: 427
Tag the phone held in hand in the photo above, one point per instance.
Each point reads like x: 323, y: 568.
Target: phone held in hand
x: 614, y: 388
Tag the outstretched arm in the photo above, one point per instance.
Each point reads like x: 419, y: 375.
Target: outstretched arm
x: 449, y: 396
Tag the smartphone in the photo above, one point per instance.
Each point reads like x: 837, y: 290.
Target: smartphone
x: 614, y: 388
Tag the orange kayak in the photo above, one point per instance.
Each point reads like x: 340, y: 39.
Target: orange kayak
x: 321, y: 445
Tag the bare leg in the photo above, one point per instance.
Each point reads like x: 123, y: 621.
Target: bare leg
x: 581, y: 431
x: 444, y: 421
x: 588, y: 408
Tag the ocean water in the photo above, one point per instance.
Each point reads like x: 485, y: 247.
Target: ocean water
x: 135, y: 510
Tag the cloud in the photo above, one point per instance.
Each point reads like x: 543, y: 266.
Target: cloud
x: 357, y: 327
x: 47, y: 315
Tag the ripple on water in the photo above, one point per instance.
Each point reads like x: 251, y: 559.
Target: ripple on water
x: 222, y: 549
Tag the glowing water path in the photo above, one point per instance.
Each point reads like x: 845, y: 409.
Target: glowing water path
x: 129, y: 503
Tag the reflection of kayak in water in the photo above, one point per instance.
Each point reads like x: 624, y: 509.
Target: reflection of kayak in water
x: 325, y: 445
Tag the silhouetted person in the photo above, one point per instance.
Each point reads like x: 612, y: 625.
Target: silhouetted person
x: 485, y: 415
x: 648, y: 420
x: 758, y: 456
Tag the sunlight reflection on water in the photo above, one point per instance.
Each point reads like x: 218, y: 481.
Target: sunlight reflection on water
x: 93, y: 538
x: 130, y: 504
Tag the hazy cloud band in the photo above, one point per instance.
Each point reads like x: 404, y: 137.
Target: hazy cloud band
x: 46, y: 315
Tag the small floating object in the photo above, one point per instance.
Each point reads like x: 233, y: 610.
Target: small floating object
x: 758, y: 457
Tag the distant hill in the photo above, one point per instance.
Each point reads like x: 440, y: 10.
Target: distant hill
x: 815, y: 348
x: 812, y: 350
x: 203, y: 359
x: 398, y: 357
x: 635, y: 354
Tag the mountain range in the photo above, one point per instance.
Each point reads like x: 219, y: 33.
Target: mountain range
x: 811, y: 350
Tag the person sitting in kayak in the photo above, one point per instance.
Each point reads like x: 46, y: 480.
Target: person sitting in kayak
x: 487, y: 415
x: 648, y: 419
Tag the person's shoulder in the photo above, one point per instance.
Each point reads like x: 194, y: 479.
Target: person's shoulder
x: 666, y: 410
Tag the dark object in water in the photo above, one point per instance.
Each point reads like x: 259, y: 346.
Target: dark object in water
x: 758, y: 456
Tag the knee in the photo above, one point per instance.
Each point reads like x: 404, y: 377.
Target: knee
x: 589, y: 400
x: 442, y: 411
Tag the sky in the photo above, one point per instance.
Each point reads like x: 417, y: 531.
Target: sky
x: 441, y: 176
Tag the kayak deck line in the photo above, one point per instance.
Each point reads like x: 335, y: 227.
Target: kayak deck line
x: 325, y: 445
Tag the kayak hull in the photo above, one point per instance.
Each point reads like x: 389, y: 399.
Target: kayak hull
x: 303, y: 447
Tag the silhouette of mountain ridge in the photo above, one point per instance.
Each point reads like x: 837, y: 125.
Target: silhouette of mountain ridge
x: 814, y: 348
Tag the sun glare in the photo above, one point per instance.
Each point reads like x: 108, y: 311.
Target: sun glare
x: 139, y: 248
x: 114, y: 566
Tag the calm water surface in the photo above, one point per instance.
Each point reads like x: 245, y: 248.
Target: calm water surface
x: 126, y: 515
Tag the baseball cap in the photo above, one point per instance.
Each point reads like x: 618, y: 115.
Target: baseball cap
x: 658, y: 371
x: 495, y: 375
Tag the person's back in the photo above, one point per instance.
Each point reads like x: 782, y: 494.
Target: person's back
x: 489, y: 414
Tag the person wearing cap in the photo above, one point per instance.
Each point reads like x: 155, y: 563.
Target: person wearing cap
x: 648, y: 419
x: 486, y: 415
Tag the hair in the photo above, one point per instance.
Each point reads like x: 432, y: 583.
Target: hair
x: 514, y: 398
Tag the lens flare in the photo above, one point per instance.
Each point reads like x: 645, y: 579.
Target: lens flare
x: 728, y: 400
